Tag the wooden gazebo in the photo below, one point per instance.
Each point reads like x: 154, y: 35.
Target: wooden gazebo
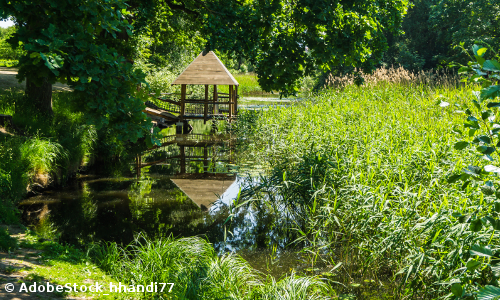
x: 208, y: 70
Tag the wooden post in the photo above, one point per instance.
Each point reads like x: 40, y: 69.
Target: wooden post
x: 183, y: 102
x: 216, y: 109
x: 183, y: 160
x: 205, y: 111
x: 230, y: 101
x: 205, y: 159
x: 138, y: 165
x: 236, y: 100
x: 179, y: 127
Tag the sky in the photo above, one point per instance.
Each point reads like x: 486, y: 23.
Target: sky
x: 5, y: 24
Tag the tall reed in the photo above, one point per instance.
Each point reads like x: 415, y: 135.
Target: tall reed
x: 361, y: 172
x: 197, y: 272
x: 398, y: 75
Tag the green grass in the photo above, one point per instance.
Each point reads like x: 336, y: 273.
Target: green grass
x: 43, y: 145
x: 248, y: 84
x: 60, y: 264
x: 192, y: 265
x: 362, y: 173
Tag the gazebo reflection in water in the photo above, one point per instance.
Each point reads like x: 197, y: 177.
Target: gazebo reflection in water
x: 200, y: 164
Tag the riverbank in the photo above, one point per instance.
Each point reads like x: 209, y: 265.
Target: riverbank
x: 41, y: 151
x: 177, y: 268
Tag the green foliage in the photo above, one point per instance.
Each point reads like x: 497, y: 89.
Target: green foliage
x: 434, y: 31
x: 7, y: 243
x: 8, y: 53
x: 287, y: 40
x: 198, y: 273
x: 464, y: 23
x: 360, y: 172
x: 53, y: 146
x: 83, y: 44
x: 419, y: 47
x: 8, y: 63
x: 41, y: 154
x: 481, y: 127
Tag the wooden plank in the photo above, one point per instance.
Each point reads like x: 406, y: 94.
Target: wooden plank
x: 209, y: 81
x: 183, y: 160
x: 161, y: 114
x: 205, y: 159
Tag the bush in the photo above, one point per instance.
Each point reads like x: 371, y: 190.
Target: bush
x: 8, y: 63
x: 7, y: 243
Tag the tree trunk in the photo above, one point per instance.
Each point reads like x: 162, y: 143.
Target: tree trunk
x: 41, y: 96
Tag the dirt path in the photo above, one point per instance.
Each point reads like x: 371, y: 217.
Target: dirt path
x: 14, y: 269
x: 8, y: 80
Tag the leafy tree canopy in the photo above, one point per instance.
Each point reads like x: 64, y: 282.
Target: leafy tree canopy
x: 465, y: 22
x: 86, y: 43
x: 286, y: 40
x: 82, y: 43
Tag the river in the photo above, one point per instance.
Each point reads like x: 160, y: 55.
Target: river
x: 189, y: 187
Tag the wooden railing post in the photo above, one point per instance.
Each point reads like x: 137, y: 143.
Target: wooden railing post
x: 205, y: 159
x: 230, y: 109
x: 216, y: 109
x: 206, y: 105
x: 183, y: 101
x: 183, y: 160
x: 236, y: 100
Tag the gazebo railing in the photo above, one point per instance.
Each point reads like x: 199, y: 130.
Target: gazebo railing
x: 195, y: 106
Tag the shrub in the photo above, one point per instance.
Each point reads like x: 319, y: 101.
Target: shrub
x: 7, y: 243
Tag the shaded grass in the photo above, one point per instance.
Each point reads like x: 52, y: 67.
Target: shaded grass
x: 7, y: 243
x: 50, y: 146
x: 62, y: 264
x: 362, y: 173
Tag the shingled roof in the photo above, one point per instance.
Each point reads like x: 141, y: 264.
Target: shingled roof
x: 206, y: 69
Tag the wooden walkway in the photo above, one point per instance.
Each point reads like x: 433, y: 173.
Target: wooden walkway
x: 161, y: 114
x: 195, y: 108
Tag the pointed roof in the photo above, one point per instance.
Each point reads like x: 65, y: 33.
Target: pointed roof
x: 206, y: 69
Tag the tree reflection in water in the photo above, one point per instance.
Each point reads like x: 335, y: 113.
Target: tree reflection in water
x: 174, y: 195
